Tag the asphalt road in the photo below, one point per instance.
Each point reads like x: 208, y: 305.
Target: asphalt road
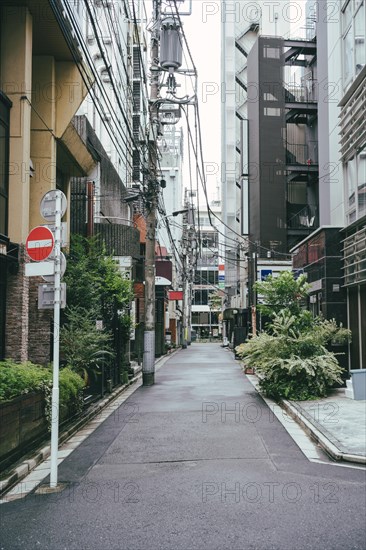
x: 195, y: 462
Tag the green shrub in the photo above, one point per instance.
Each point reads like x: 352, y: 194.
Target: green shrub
x: 71, y: 390
x: 82, y: 345
x: 17, y: 379
x: 291, y: 362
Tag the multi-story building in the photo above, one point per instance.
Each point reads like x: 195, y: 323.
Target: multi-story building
x: 334, y: 255
x: 353, y: 166
x: 41, y: 90
x: 170, y: 223
x: 69, y: 108
x: 209, y: 276
x: 242, y: 23
x: 283, y: 145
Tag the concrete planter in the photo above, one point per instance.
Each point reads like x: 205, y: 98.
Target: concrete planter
x: 359, y: 384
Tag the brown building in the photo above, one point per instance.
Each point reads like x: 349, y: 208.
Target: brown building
x: 41, y: 88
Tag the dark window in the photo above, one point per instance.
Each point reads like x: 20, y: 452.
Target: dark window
x: 4, y: 178
x: 200, y: 297
x: 4, y: 161
x: 209, y: 239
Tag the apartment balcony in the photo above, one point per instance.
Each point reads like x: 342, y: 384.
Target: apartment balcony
x: 301, y: 160
x: 301, y: 103
x: 303, y: 217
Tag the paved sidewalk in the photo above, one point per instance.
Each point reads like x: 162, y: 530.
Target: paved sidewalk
x: 336, y: 422
x: 198, y: 462
x: 28, y: 474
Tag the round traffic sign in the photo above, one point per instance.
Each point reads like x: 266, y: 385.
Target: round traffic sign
x: 39, y: 243
x: 48, y: 204
x: 51, y: 278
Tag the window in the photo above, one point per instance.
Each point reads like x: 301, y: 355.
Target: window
x: 360, y: 52
x: 271, y: 52
x: 267, y: 96
x: 347, y: 57
x: 353, y: 43
x: 200, y: 297
x: 209, y: 239
x: 272, y: 111
x: 351, y: 217
x: 4, y: 159
x: 346, y: 15
x: 361, y: 180
x: 351, y: 180
x: 3, y: 181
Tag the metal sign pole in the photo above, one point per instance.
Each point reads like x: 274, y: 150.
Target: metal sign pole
x: 56, y: 343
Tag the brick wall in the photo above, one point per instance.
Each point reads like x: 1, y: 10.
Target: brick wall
x: 17, y: 310
x: 40, y: 322
x: 28, y: 329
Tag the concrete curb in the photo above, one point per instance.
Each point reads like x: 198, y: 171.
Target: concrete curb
x: 316, y: 435
x: 21, y: 471
x: 330, y: 448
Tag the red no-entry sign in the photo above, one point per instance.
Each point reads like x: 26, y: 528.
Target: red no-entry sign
x: 39, y: 243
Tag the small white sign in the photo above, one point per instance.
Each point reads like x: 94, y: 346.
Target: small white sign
x: 51, y: 259
x: 315, y: 285
x: 39, y: 269
x: 123, y: 261
x: 99, y: 324
x: 46, y: 296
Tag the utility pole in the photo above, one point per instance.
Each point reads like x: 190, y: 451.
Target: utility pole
x: 185, y: 276
x: 189, y: 263
x: 148, y: 365
x: 192, y: 262
x: 254, y: 293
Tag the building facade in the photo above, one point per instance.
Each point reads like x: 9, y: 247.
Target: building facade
x: 69, y: 104
x: 242, y: 23
x: 352, y: 34
x: 208, y: 289
x: 341, y: 58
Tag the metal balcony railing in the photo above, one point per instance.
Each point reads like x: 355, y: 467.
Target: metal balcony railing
x: 305, y: 217
x: 302, y: 153
x: 303, y: 93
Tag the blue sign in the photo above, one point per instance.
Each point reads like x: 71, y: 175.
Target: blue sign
x: 265, y: 273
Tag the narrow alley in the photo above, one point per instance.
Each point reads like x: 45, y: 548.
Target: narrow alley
x: 197, y: 461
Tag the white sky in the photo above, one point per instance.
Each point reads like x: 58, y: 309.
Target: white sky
x: 203, y: 32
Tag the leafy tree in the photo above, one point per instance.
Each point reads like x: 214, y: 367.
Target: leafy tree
x: 94, y: 281
x: 82, y: 345
x: 291, y: 362
x: 96, y: 290
x: 215, y: 301
x: 290, y: 356
x: 282, y: 292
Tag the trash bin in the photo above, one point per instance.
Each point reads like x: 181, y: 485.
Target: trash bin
x: 359, y: 384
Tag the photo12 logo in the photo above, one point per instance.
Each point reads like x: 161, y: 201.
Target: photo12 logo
x: 269, y: 492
